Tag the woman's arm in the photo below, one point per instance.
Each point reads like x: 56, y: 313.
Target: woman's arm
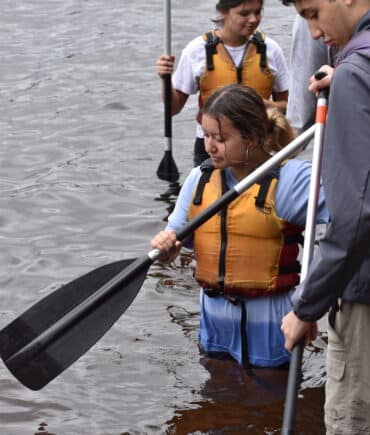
x: 292, y: 194
x: 165, y: 65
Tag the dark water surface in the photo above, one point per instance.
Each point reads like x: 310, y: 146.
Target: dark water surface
x: 81, y: 131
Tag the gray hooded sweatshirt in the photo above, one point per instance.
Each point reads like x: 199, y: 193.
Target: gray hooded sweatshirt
x: 342, y: 267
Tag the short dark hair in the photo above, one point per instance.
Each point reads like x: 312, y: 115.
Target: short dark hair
x: 226, y: 5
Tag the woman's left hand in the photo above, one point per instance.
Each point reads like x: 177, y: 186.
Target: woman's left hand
x: 168, y: 244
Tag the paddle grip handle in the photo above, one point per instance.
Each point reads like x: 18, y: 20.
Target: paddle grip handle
x: 319, y: 75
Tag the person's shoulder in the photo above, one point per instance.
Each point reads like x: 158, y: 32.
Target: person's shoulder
x: 272, y: 44
x: 274, y: 51
x: 354, y: 63
x: 294, y: 168
x: 196, y: 43
x: 195, y: 49
x: 193, y: 176
x: 352, y: 75
x: 295, y: 164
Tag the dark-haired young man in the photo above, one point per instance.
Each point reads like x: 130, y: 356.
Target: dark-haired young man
x: 339, y: 277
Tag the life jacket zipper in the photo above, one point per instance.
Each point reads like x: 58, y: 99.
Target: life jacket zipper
x: 239, y: 68
x: 223, y: 247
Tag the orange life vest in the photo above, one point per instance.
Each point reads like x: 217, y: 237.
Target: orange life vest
x: 246, y: 250
x: 221, y: 70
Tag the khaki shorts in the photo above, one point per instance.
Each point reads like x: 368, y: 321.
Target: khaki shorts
x: 347, y: 404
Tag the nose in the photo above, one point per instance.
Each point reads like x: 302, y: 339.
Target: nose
x: 210, y: 145
x: 253, y: 17
x: 315, y: 30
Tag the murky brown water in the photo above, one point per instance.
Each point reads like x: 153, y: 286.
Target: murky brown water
x: 81, y: 136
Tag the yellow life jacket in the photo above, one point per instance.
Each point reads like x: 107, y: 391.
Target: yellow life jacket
x: 246, y: 250
x: 221, y: 70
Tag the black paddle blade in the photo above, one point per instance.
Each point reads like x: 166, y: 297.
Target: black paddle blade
x: 56, y: 331
x: 167, y: 169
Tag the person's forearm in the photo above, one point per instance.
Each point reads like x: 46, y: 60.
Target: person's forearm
x: 178, y: 99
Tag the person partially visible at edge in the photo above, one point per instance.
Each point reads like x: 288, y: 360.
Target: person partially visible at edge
x: 236, y: 52
x: 307, y: 55
x: 339, y: 277
x: 246, y: 256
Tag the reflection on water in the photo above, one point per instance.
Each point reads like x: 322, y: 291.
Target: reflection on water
x: 81, y: 138
x: 232, y: 402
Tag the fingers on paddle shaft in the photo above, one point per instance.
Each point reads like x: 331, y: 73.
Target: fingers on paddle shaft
x: 57, y: 330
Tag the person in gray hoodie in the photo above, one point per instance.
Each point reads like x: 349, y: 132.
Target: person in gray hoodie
x: 339, y: 276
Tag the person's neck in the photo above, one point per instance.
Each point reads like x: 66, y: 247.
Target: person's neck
x: 354, y: 17
x: 241, y: 171
x: 230, y: 38
x: 362, y: 16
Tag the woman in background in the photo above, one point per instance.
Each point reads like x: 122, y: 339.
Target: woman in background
x: 236, y: 52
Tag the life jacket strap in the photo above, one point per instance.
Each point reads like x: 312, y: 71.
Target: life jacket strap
x: 244, y: 337
x: 259, y: 40
x: 207, y: 168
x: 211, y: 48
x: 265, y: 183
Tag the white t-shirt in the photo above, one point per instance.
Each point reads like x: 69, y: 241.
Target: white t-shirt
x: 192, y: 64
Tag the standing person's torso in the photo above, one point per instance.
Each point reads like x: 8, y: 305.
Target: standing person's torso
x: 346, y: 164
x: 193, y: 63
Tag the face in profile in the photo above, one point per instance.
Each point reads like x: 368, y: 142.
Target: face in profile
x: 223, y: 142
x: 328, y: 20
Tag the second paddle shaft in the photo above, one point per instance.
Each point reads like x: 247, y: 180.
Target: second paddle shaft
x: 167, y: 77
x: 309, y: 238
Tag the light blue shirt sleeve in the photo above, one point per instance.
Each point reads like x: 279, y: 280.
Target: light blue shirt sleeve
x: 179, y: 217
x: 292, y: 194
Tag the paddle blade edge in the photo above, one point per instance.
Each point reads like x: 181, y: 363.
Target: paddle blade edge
x: 121, y: 282
x: 167, y: 169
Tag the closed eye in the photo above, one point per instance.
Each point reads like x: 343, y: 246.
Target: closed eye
x: 309, y: 14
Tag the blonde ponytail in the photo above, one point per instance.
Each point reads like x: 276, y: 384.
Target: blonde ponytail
x: 280, y: 132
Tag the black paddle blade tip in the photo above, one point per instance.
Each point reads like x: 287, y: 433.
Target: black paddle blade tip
x: 52, y: 334
x: 167, y: 169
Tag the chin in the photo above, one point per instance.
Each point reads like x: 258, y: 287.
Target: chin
x: 218, y: 164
